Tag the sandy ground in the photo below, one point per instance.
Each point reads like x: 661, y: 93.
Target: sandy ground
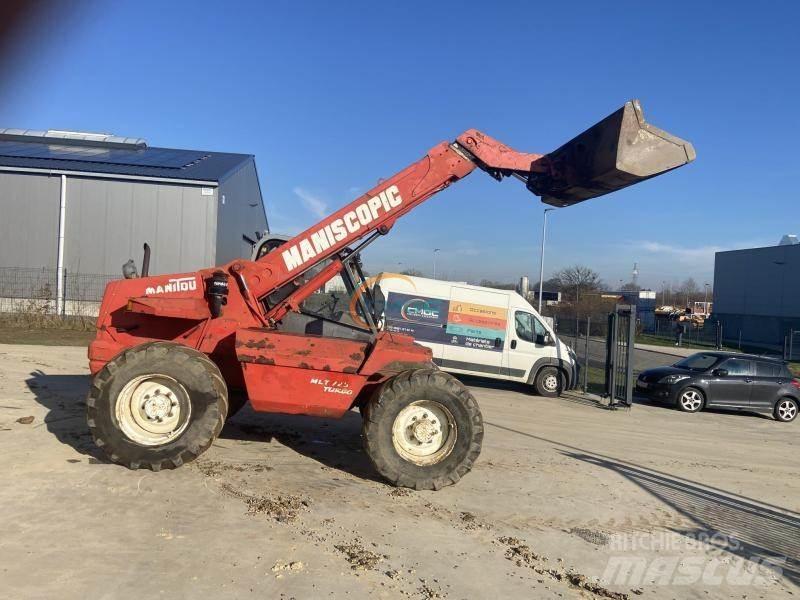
x: 565, y: 497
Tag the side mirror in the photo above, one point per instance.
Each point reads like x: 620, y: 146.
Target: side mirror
x: 720, y: 372
x: 544, y: 339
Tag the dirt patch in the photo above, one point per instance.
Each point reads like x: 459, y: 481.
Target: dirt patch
x: 580, y: 581
x: 25, y: 420
x: 598, y: 538
x: 522, y: 555
x: 281, y: 567
x: 214, y: 468
x: 358, y: 556
x: 428, y: 592
x: 399, y: 492
x: 471, y: 522
x: 280, y: 508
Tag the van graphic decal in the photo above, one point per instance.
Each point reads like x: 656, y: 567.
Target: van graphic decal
x: 419, y: 310
x: 440, y: 321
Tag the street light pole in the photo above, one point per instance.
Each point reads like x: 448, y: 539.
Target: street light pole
x: 435, y: 250
x: 705, y: 302
x: 541, y: 257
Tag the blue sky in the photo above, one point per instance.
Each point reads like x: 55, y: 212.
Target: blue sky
x: 330, y: 97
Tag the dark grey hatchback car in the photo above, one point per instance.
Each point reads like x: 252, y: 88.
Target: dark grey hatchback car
x: 725, y: 380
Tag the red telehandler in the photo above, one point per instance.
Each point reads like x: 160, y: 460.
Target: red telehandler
x: 175, y: 355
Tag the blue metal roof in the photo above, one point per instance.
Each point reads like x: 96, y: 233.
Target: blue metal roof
x: 30, y: 152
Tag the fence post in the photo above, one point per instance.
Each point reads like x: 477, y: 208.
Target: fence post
x: 586, y: 357
x: 63, y: 300
x: 791, y: 343
x: 785, y: 345
x: 740, y: 340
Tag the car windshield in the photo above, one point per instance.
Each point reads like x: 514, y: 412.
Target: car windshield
x: 697, y: 362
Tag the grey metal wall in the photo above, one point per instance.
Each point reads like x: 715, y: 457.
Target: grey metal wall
x: 758, y: 281
x: 108, y: 221
x: 240, y: 210
x: 29, y: 220
x: 757, y: 294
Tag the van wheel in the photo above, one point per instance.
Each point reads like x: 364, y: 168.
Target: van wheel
x: 422, y: 429
x: 549, y: 382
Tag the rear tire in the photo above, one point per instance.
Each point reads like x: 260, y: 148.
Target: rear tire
x: 549, y: 382
x: 690, y: 400
x: 786, y: 410
x: 422, y: 429
x: 157, y: 406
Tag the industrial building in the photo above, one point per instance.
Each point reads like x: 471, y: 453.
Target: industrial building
x: 84, y: 204
x: 757, y: 294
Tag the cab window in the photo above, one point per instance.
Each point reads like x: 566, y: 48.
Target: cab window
x: 528, y: 326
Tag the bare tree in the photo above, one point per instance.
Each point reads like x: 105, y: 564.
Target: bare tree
x: 576, y: 279
x: 412, y: 272
x: 689, y: 287
x: 688, y: 292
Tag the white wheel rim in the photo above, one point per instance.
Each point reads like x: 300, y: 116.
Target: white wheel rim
x: 691, y: 400
x: 424, y: 432
x: 550, y: 383
x: 152, y: 410
x: 787, y: 410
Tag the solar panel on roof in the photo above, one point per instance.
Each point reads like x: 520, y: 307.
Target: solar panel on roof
x: 164, y: 158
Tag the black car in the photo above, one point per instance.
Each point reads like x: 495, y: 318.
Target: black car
x: 725, y: 380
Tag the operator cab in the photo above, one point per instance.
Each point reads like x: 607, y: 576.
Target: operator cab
x: 345, y: 307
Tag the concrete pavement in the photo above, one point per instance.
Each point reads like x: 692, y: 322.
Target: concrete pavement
x: 564, y: 495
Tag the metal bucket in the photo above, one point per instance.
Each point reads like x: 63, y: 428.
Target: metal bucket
x: 619, y: 151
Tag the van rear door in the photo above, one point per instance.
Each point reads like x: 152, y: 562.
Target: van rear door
x: 476, y: 331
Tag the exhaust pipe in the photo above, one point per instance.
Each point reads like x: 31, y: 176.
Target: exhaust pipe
x: 619, y: 151
x: 146, y: 260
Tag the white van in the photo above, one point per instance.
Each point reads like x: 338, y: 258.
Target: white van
x: 479, y: 331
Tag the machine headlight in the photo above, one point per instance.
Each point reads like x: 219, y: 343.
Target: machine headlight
x: 673, y: 378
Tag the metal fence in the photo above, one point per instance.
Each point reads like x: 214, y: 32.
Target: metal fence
x: 589, y: 349
x: 791, y: 345
x: 25, y: 290
x: 708, y: 334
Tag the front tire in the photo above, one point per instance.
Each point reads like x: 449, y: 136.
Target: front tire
x: 549, y: 382
x: 786, y: 410
x: 422, y: 429
x: 157, y: 405
x: 690, y: 400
